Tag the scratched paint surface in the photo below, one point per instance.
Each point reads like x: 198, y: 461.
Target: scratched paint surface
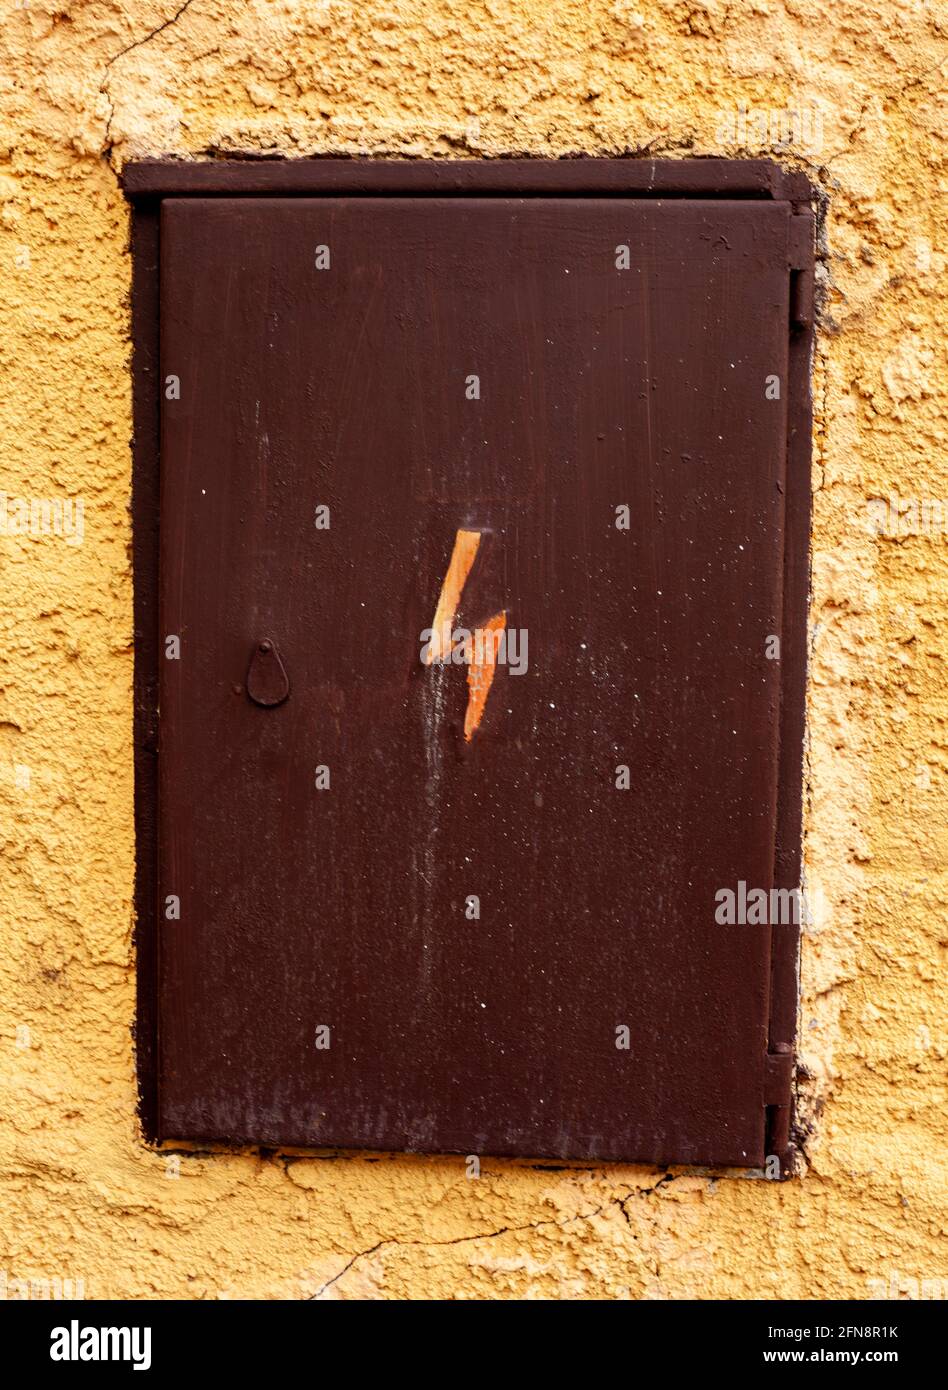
x: 87, y: 87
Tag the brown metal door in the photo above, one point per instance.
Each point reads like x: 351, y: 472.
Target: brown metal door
x: 328, y: 981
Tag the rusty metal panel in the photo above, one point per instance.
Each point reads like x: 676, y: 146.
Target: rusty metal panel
x: 424, y: 892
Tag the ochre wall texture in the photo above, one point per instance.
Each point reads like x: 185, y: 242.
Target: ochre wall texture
x: 851, y: 91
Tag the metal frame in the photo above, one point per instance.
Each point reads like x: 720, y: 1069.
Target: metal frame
x: 147, y: 182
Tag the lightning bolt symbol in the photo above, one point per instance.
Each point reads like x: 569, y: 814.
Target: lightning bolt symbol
x: 482, y: 656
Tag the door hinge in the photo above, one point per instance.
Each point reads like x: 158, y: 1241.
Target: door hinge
x: 800, y: 260
x: 778, y: 1078
x: 778, y: 1098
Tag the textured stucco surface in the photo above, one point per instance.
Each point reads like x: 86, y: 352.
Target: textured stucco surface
x: 86, y: 86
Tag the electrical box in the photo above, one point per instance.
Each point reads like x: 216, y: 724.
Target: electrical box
x: 471, y: 515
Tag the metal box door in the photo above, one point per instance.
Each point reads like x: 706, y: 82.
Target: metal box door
x: 462, y: 905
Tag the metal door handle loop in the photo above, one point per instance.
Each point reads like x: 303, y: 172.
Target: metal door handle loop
x: 267, y: 681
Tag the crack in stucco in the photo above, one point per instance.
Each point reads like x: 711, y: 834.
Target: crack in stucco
x: 638, y: 1191
x: 396, y: 1243
x: 893, y: 96
x: 137, y: 43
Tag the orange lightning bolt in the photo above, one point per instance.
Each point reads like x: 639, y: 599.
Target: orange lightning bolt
x: 482, y: 656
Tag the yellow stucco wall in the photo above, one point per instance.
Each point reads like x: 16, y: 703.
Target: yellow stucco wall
x: 86, y: 86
